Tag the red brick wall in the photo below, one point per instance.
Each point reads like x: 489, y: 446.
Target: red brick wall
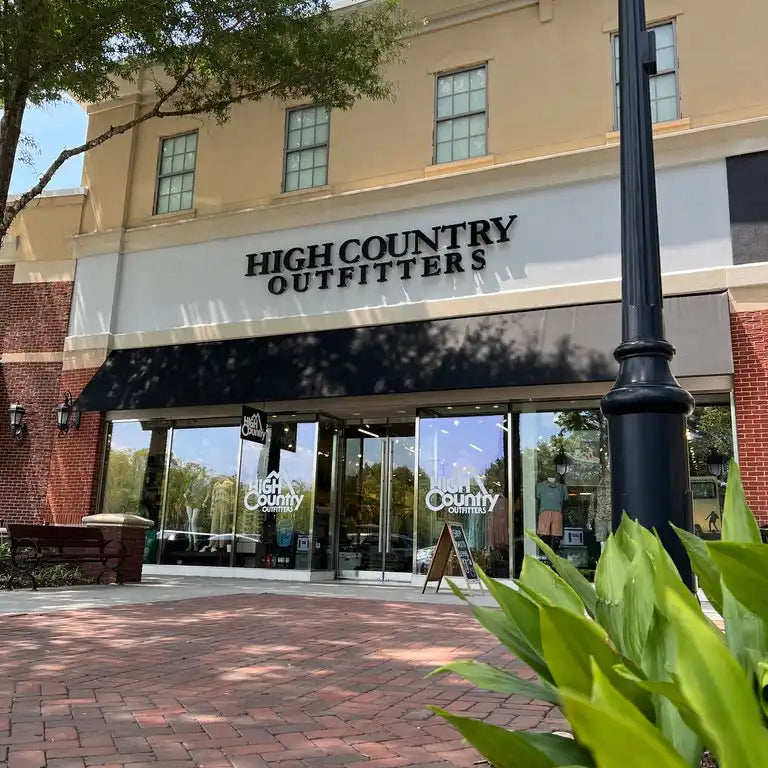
x: 25, y: 461
x: 34, y: 317
x: 75, y: 461
x: 44, y: 477
x: 749, y: 333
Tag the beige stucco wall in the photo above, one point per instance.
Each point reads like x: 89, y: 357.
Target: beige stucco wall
x: 550, y: 91
x: 550, y: 121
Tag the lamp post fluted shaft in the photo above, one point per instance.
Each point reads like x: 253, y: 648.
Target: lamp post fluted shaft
x: 646, y: 408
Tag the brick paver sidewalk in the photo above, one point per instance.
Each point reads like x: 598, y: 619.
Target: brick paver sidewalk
x: 264, y: 681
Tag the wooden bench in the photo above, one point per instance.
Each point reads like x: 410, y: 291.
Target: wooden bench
x: 36, y: 545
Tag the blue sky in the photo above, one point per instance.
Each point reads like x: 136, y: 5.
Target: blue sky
x: 54, y: 127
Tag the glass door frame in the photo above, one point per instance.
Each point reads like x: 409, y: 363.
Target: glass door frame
x: 505, y: 410
x: 385, y: 507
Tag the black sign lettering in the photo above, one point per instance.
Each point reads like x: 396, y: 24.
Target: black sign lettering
x: 453, y: 263
x: 381, y: 258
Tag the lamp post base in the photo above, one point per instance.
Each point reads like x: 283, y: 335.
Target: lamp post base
x: 650, y: 476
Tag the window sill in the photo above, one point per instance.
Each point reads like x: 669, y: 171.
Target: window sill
x: 659, y: 129
x: 303, y: 194
x: 157, y: 218
x: 439, y: 169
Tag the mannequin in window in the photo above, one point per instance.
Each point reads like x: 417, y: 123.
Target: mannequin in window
x: 551, y: 495
x: 222, y: 500
x: 600, y: 512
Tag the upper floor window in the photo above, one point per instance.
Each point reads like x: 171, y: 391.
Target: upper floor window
x: 306, y: 148
x: 664, y: 98
x: 460, y: 119
x: 176, y: 173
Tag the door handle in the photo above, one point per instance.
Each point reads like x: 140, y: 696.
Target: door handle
x: 383, y: 493
x: 388, y: 508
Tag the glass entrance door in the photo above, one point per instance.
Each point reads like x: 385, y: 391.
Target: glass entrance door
x: 376, y: 520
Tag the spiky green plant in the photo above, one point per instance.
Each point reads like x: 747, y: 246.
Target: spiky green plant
x: 643, y: 676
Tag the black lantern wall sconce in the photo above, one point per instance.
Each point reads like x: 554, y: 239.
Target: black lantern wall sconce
x: 562, y: 464
x: 67, y: 414
x: 16, y: 413
x: 716, y: 464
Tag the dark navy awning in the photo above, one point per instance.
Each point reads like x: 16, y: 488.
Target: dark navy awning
x: 547, y: 346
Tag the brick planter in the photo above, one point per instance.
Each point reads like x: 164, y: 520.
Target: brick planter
x: 131, y: 530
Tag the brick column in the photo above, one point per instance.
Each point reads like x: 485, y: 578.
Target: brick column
x: 749, y: 333
x: 131, y: 530
x: 75, y: 460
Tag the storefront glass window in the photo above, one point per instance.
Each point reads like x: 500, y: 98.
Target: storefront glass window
x: 322, y: 529
x: 376, y: 516
x: 571, y: 511
x: 463, y: 478
x: 135, y: 470
x: 274, y: 508
x: 710, y: 432
x: 200, y: 496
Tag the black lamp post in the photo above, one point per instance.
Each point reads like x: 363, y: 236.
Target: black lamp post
x: 647, y: 408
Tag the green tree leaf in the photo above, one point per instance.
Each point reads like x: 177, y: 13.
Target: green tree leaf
x: 716, y: 688
x: 197, y: 57
x: 704, y: 567
x: 491, y: 679
x: 517, y: 749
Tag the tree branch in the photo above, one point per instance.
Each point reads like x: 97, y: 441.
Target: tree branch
x: 13, y: 209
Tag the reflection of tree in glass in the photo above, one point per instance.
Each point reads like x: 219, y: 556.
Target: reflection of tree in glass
x: 709, y: 429
x: 125, y: 477
x: 189, y: 486
x: 495, y: 476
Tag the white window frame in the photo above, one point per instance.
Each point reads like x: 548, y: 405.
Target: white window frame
x: 160, y: 175
x: 676, y: 71
x: 288, y: 151
x: 469, y: 114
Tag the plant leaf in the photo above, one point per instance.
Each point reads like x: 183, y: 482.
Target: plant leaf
x: 545, y: 587
x: 744, y: 570
x: 704, y: 567
x: 739, y: 523
x: 670, y: 691
x: 570, y: 574
x: 679, y: 725
x: 716, y: 688
x: 627, y: 536
x: 743, y: 629
x: 499, y: 625
x: 615, y: 732
x: 517, y: 749
x: 571, y: 643
x: 638, y: 606
x: 456, y: 591
x: 491, y: 679
x: 522, y: 612
x: 610, y: 578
